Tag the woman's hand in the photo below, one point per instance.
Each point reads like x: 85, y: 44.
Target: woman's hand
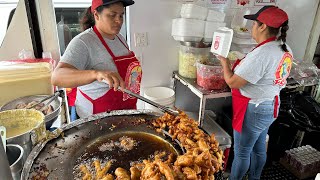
x: 113, y: 79
x: 233, y: 80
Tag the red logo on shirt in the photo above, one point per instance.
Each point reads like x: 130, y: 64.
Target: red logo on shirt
x: 283, y: 70
x: 217, y: 42
x: 133, y: 79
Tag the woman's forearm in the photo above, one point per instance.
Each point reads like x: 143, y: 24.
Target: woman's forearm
x: 69, y: 78
x: 227, y: 73
x: 231, y: 79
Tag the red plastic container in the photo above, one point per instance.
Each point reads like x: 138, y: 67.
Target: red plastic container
x: 210, y: 77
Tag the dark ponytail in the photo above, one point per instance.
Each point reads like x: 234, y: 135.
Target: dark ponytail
x: 87, y: 20
x: 283, y: 36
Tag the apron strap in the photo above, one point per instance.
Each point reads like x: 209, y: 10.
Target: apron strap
x: 103, y: 41
x: 235, y: 64
x: 125, y: 45
x: 262, y: 43
x: 276, y: 105
x: 106, y: 45
x: 266, y: 41
x: 86, y: 96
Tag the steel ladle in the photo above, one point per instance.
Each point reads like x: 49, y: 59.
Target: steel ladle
x: 162, y: 108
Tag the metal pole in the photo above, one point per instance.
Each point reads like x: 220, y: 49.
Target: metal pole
x: 4, y: 164
x: 202, y: 108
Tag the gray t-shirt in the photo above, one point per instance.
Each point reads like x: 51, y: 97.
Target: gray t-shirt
x: 86, y: 52
x: 266, y: 69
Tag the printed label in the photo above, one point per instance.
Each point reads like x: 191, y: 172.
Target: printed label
x: 133, y: 79
x: 265, y: 2
x: 217, y: 42
x: 283, y: 70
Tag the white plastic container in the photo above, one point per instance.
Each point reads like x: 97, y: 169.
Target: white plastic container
x: 243, y: 45
x: 221, y: 42
x: 210, y: 77
x: 242, y: 48
x: 188, y: 57
x: 239, y: 24
x: 210, y: 28
x: 248, y: 41
x: 192, y: 11
x: 161, y: 95
x: 238, y: 21
x: 241, y: 34
x: 216, y: 16
x: 234, y: 55
x: 187, y: 29
x: 20, y: 80
x: 187, y: 38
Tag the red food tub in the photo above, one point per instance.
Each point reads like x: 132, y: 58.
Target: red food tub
x: 210, y: 77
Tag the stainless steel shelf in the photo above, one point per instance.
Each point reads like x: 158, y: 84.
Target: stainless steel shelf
x: 200, y: 92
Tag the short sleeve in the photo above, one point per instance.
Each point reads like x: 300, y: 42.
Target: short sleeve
x: 252, y: 67
x: 76, y: 54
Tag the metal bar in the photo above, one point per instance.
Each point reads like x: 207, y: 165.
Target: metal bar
x: 34, y: 27
x: 163, y: 108
x: 198, y: 90
x: 218, y: 95
x: 192, y: 88
x: 202, y: 108
x: 300, y: 135
x: 4, y: 164
x: 174, y: 82
x: 54, y: 95
x: 65, y: 117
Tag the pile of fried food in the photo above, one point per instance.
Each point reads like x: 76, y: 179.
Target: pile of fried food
x: 202, y: 159
x: 46, y: 110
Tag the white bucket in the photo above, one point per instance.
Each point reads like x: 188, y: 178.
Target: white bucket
x: 161, y: 95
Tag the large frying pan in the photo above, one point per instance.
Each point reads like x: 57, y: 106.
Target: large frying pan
x: 79, y: 140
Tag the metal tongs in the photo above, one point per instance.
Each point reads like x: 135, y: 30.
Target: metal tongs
x: 162, y: 108
x: 3, y: 136
x: 51, y: 97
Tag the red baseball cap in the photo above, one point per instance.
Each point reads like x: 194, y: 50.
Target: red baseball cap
x: 270, y: 15
x: 97, y: 3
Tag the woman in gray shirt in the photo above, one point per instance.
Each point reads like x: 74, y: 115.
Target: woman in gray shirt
x: 256, y: 81
x: 98, y: 62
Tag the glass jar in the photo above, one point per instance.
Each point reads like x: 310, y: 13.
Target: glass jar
x: 188, y: 57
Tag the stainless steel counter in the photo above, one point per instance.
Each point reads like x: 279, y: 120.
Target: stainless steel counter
x: 211, y: 126
x: 184, y: 99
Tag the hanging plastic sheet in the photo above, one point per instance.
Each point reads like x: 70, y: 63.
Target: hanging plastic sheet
x: 305, y: 73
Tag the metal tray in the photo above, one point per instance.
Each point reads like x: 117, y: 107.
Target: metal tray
x: 49, y: 118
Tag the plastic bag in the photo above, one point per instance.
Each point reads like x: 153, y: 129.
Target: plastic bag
x: 305, y: 73
x: 25, y: 54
